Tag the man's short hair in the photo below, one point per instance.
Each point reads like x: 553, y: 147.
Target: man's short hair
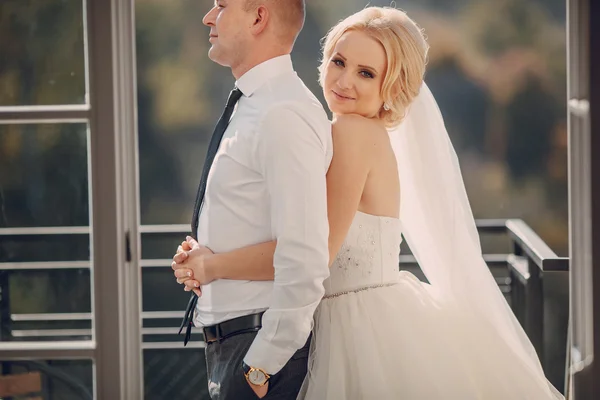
x: 290, y: 14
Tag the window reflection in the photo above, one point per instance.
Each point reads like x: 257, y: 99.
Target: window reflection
x: 43, y: 175
x: 42, y: 53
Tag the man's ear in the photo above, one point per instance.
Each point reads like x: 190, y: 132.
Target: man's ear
x: 261, y: 18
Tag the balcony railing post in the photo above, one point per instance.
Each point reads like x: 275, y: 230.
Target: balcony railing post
x: 534, y: 309
x: 527, y: 299
x: 517, y: 292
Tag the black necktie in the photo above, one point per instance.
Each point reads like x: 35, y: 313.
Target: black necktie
x: 215, y: 141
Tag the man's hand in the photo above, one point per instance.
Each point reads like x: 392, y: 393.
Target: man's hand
x: 260, y: 391
x: 189, y: 266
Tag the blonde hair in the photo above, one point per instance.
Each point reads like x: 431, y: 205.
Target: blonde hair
x: 406, y: 51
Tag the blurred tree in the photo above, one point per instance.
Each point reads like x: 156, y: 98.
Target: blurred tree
x: 42, y: 47
x: 466, y: 119
x: 531, y: 117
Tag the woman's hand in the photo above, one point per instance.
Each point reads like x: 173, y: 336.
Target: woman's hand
x: 189, y: 265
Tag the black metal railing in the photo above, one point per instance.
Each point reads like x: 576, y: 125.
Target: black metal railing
x: 532, y: 258
x: 519, y: 272
x: 527, y: 260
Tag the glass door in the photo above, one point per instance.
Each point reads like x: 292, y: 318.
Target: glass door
x: 69, y: 276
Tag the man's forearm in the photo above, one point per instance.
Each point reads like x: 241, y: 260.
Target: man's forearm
x: 253, y: 263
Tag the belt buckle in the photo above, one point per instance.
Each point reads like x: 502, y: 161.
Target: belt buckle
x: 207, y: 338
x: 216, y: 337
x: 218, y: 333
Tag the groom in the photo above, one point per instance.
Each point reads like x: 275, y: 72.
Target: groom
x: 263, y: 179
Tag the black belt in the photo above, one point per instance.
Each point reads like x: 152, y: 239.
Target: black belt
x: 236, y: 326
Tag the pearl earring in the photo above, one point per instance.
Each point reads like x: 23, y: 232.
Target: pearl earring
x: 386, y: 107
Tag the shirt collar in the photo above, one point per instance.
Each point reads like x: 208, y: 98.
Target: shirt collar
x: 258, y: 75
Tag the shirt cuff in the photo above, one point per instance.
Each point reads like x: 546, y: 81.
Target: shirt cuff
x: 264, y: 355
x: 269, y: 357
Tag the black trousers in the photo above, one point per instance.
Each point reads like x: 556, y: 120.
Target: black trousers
x: 226, y: 380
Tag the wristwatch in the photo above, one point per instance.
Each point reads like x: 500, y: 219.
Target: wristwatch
x: 255, y: 376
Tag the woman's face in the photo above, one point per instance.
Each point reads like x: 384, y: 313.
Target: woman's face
x: 354, y: 75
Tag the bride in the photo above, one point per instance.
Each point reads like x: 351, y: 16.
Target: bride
x: 380, y: 334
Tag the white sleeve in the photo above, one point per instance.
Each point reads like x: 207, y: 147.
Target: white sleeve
x: 293, y: 155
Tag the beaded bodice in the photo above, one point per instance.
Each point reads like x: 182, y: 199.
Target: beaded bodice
x: 369, y: 255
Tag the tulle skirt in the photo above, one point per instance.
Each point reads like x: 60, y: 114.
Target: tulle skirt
x: 397, y: 342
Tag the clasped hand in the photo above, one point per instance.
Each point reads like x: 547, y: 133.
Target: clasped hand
x: 190, y: 266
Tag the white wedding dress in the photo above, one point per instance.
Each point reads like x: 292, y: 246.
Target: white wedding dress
x: 380, y: 335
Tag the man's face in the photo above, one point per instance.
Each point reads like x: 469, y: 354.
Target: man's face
x: 229, y: 32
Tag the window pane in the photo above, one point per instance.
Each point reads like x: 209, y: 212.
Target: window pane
x: 28, y: 293
x: 18, y: 248
x: 43, y: 57
x: 58, y: 379
x: 161, y: 245
x: 160, y: 291
x: 43, y: 175
x: 175, y: 374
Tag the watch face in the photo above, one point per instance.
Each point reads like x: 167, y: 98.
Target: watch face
x: 256, y: 377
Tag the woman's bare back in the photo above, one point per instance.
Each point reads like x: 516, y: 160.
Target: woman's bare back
x: 381, y: 193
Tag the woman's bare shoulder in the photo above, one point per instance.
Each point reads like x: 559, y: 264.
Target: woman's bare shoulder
x: 356, y: 130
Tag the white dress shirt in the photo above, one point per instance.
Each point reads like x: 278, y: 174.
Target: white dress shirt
x: 268, y: 182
